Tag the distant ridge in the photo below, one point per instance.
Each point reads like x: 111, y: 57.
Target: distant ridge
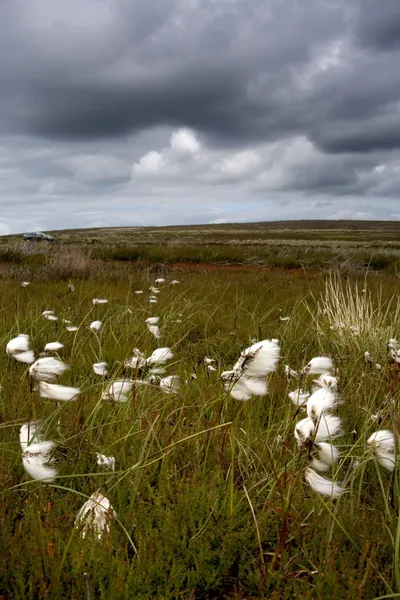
x: 300, y: 224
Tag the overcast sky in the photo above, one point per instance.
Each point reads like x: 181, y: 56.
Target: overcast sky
x: 155, y: 112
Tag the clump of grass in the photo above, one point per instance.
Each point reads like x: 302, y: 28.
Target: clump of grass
x: 349, y: 311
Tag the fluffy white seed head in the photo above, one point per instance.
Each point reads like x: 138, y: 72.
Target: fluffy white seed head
x: 299, y: 397
x: 319, y: 365
x: 95, y: 516
x: 304, y: 431
x: 170, y: 384
x: 152, y: 320
x: 36, y: 452
x: 154, y: 330
x: 100, y: 301
x: 36, y: 467
x: 259, y: 359
x: 118, y: 391
x: 18, y: 344
x: 326, y: 381
x: 382, y: 444
x: 53, y: 346
x: 318, y: 465
x: 100, y: 368
x: 47, y: 369
x: 25, y: 357
x: 160, y: 356
x: 329, y: 427
x: 321, y: 485
x: 105, y: 462
x: 321, y: 401
x: 208, y: 361
x: 327, y: 453
x: 96, y: 326
x: 57, y: 392
x: 382, y: 440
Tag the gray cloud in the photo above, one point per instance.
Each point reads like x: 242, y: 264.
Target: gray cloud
x: 286, y: 100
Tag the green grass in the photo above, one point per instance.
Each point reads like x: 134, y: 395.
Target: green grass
x: 209, y: 492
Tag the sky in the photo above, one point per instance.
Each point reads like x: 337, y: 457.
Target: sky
x: 166, y: 112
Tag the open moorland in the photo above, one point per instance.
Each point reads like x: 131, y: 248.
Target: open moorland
x: 158, y: 450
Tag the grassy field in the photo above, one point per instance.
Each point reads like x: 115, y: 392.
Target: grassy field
x: 209, y: 492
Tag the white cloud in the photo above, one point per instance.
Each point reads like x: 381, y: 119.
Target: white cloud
x: 185, y: 141
x: 151, y: 164
x: 349, y: 214
x: 217, y: 221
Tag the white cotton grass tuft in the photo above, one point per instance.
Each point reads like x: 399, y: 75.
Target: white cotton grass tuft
x: 393, y: 347
x: 139, y: 292
x: 99, y: 301
x: 72, y: 328
x: 327, y: 453
x: 321, y: 485
x: 318, y: 465
x: 25, y: 284
x: 53, y: 346
x: 152, y: 326
x: 299, y: 397
x: 326, y: 381
x: 49, y: 315
x: 327, y: 428
x: 96, y: 326
x: 152, y: 320
x: 382, y: 444
x: 29, y: 433
x: 25, y: 357
x: 319, y: 365
x: 170, y: 384
x: 36, y: 453
x: 18, y: 344
x: 18, y: 348
x: 159, y: 356
x: 57, y: 392
x: 47, y: 368
x: 208, y: 361
x: 246, y: 379
x: 118, y: 391
x: 244, y: 388
x: 95, y: 516
x: 321, y: 401
x: 105, y: 462
x: 100, y: 368
x: 259, y: 359
x: 304, y: 431
x: 137, y: 361
x: 160, y: 280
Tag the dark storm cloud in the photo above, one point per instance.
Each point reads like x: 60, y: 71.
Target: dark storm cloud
x: 88, y: 79
x: 378, y: 24
x: 222, y: 67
